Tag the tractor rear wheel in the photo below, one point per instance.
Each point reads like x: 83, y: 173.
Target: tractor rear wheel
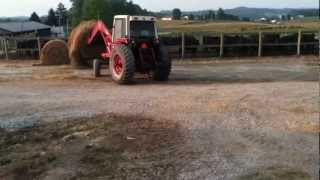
x: 163, y: 66
x: 122, y: 65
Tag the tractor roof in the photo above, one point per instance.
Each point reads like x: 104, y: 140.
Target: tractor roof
x: 136, y: 18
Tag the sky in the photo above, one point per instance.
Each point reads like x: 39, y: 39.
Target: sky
x: 157, y: 5
x: 26, y: 7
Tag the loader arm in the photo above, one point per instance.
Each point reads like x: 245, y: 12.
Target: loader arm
x: 100, y: 29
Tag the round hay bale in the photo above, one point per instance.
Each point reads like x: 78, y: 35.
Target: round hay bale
x: 55, y: 52
x: 81, y: 53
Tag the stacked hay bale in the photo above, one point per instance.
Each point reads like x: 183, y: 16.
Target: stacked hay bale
x: 55, y: 52
x: 81, y: 53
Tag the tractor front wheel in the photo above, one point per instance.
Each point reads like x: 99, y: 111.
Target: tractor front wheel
x: 97, y: 67
x: 122, y: 65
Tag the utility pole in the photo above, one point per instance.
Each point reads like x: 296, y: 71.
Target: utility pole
x: 67, y: 34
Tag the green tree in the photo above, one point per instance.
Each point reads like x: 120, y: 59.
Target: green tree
x: 289, y: 17
x: 220, y: 14
x: 176, y: 14
x: 211, y: 15
x: 61, y: 14
x: 97, y: 9
x: 103, y: 10
x: 76, y: 11
x: 245, y: 19
x: 131, y: 8
x: 52, y: 19
x: 34, y: 17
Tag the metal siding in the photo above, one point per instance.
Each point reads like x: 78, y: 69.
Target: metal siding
x: 3, y: 32
x: 18, y: 27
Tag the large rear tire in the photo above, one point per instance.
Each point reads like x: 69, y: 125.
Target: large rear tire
x: 122, y: 65
x: 163, y: 66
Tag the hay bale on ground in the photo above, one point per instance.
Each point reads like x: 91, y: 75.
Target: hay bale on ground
x: 80, y: 53
x: 54, y: 52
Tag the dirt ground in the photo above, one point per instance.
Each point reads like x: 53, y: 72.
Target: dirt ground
x: 233, y: 120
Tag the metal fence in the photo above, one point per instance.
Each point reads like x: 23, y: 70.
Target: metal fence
x: 181, y: 45
x: 190, y: 45
x: 21, y: 47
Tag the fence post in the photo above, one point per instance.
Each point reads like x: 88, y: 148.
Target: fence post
x: 299, y: 43
x: 200, y: 47
x: 6, y: 48
x: 260, y: 44
x: 39, y: 46
x: 182, y: 45
x: 2, y: 46
x: 221, y: 44
x: 319, y: 42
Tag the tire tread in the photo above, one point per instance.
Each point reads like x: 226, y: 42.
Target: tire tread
x: 129, y: 64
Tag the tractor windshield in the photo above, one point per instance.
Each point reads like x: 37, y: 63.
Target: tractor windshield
x: 142, y: 29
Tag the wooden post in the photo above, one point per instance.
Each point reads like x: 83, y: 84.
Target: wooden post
x: 200, y: 47
x: 2, y: 46
x: 182, y: 45
x: 39, y: 46
x: 221, y: 44
x: 6, y: 48
x: 299, y: 43
x: 16, y: 47
x: 260, y: 45
x: 319, y: 42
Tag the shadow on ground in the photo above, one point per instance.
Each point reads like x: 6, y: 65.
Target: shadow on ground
x: 106, y: 146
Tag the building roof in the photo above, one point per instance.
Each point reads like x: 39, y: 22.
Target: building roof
x: 17, y: 27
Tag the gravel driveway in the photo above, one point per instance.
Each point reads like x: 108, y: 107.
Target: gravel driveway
x: 237, y: 119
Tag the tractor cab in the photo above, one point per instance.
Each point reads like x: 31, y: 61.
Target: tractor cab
x: 134, y: 28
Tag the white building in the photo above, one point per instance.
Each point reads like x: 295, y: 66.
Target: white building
x: 186, y: 18
x: 262, y: 19
x: 273, y: 21
x: 166, y: 19
x: 58, y: 31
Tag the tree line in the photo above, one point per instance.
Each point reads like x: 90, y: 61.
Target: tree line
x: 106, y: 9
x: 103, y: 10
x: 305, y: 12
x: 87, y: 10
x: 58, y: 17
x: 210, y: 15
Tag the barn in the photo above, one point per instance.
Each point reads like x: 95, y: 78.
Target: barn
x: 24, y: 28
x: 22, y: 39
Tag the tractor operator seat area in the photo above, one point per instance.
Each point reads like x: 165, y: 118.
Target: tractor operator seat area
x: 142, y: 29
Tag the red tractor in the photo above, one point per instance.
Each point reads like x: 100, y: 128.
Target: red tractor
x: 133, y: 46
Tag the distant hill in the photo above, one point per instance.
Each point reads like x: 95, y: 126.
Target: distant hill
x: 266, y: 12
x: 254, y: 13
x: 14, y: 19
x: 257, y: 12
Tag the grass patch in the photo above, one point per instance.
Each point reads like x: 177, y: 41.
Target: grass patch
x: 235, y: 26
